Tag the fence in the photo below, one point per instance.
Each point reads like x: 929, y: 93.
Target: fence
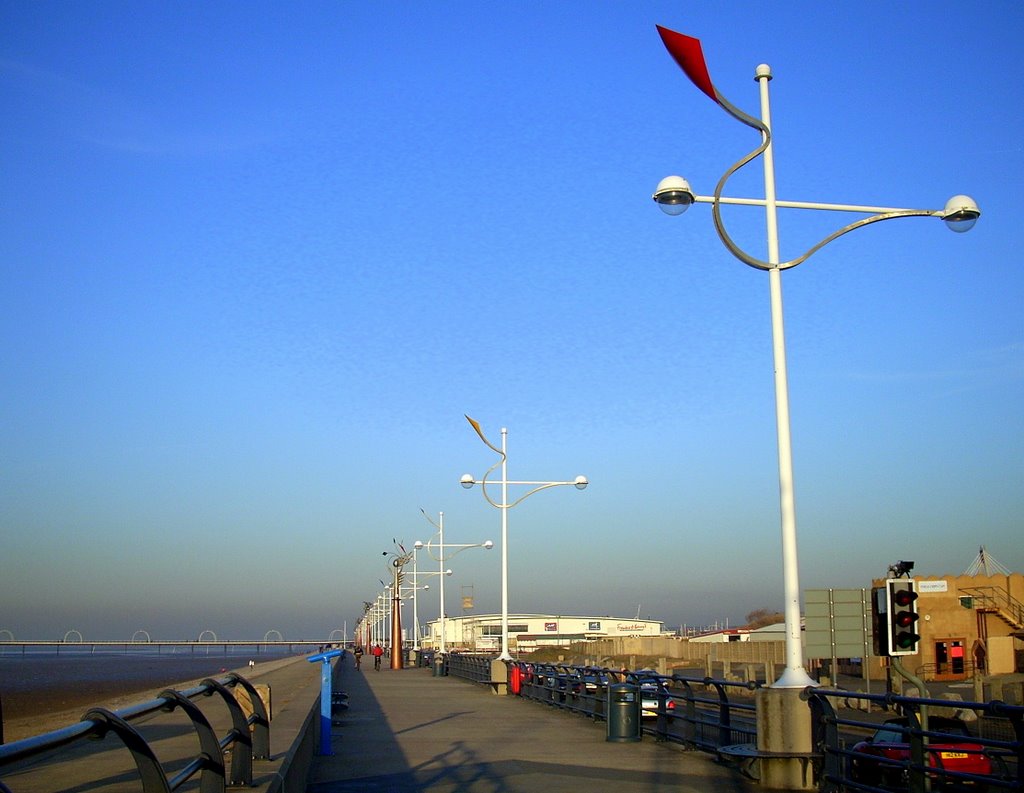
x: 719, y: 716
x: 248, y: 737
x: 698, y: 713
x: 990, y: 761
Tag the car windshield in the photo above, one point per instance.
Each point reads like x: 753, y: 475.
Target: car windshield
x: 891, y: 732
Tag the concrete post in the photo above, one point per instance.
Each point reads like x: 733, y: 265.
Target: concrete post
x: 499, y: 676
x: 784, y: 739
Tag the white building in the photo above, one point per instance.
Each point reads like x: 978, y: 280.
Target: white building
x: 482, y: 632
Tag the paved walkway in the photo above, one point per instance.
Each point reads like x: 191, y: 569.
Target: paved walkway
x: 406, y: 730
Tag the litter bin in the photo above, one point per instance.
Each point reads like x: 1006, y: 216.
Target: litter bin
x: 439, y: 670
x: 624, y: 723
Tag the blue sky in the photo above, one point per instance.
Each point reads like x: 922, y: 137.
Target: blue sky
x: 258, y: 261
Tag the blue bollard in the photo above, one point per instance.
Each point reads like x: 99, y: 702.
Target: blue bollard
x: 325, y: 697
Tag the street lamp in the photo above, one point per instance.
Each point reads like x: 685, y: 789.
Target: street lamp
x: 440, y: 558
x: 674, y: 196
x: 399, y: 559
x: 467, y: 481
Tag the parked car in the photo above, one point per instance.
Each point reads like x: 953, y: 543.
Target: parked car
x: 956, y: 751
x: 592, y: 680
x: 650, y: 687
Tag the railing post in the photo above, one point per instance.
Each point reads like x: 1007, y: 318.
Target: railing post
x: 918, y: 758
x: 241, y: 750
x: 260, y: 719
x: 151, y: 773
x: 825, y: 740
x: 212, y: 778
x: 690, y: 730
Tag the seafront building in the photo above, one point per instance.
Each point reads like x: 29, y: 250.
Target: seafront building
x: 970, y: 623
x: 526, y: 632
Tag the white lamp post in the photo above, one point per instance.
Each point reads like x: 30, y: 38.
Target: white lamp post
x: 674, y: 196
x: 410, y: 591
x: 467, y: 481
x: 440, y: 547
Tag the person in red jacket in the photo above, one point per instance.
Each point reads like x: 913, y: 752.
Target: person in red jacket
x: 377, y: 652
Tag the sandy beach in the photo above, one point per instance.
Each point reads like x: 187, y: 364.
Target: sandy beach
x: 44, y: 694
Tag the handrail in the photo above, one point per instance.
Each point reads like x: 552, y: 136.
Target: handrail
x: 248, y: 737
x: 997, y: 597
x: 836, y: 760
x: 470, y: 666
x: 696, y: 712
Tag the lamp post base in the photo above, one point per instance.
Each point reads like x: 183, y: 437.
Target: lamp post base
x: 794, y: 678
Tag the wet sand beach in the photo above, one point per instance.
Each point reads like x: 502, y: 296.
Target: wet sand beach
x: 39, y: 694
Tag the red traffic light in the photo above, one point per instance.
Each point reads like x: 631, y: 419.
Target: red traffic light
x: 905, y: 619
x: 904, y: 597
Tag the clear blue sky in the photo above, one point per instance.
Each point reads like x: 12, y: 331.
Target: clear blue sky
x: 259, y: 259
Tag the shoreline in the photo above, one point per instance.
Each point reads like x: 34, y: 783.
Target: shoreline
x: 52, y: 704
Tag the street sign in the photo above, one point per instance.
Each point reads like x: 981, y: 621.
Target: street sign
x: 837, y: 623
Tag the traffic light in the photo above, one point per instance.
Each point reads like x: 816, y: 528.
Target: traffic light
x: 901, y: 616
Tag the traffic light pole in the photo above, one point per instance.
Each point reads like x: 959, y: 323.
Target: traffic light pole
x: 897, y: 663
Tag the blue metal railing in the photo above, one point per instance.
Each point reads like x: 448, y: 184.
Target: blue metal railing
x: 470, y: 666
x: 248, y: 737
x: 695, y: 712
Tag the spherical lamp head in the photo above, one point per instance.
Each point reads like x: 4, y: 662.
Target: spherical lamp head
x: 581, y: 482
x: 488, y: 544
x: 467, y: 481
x: 673, y: 195
x: 961, y: 213
x: 418, y: 545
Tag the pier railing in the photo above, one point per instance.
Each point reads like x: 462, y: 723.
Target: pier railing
x: 248, y: 737
x: 698, y: 713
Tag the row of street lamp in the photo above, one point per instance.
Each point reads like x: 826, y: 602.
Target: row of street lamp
x: 375, y: 618
x: 675, y: 196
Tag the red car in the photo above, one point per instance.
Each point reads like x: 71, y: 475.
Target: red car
x: 956, y: 751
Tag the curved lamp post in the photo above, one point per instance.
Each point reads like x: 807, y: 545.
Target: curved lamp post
x: 467, y: 481
x: 399, y: 559
x: 440, y: 547
x: 675, y: 196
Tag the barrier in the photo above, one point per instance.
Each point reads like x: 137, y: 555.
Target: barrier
x: 248, y: 737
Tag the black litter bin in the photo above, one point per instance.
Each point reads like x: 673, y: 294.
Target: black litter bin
x: 439, y: 670
x: 624, y: 722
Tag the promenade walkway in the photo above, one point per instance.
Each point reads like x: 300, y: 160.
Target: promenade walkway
x: 406, y: 730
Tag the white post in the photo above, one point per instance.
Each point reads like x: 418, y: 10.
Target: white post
x: 505, y: 655
x: 794, y: 676
x: 415, y: 603
x: 440, y: 568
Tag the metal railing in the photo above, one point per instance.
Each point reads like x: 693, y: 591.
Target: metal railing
x: 998, y: 599
x: 469, y: 666
x: 248, y: 737
x: 719, y: 717
x: 696, y: 712
x: 847, y: 764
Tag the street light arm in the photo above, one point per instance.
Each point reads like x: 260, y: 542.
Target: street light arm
x: 544, y: 486
x: 760, y: 264
x: 716, y: 211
